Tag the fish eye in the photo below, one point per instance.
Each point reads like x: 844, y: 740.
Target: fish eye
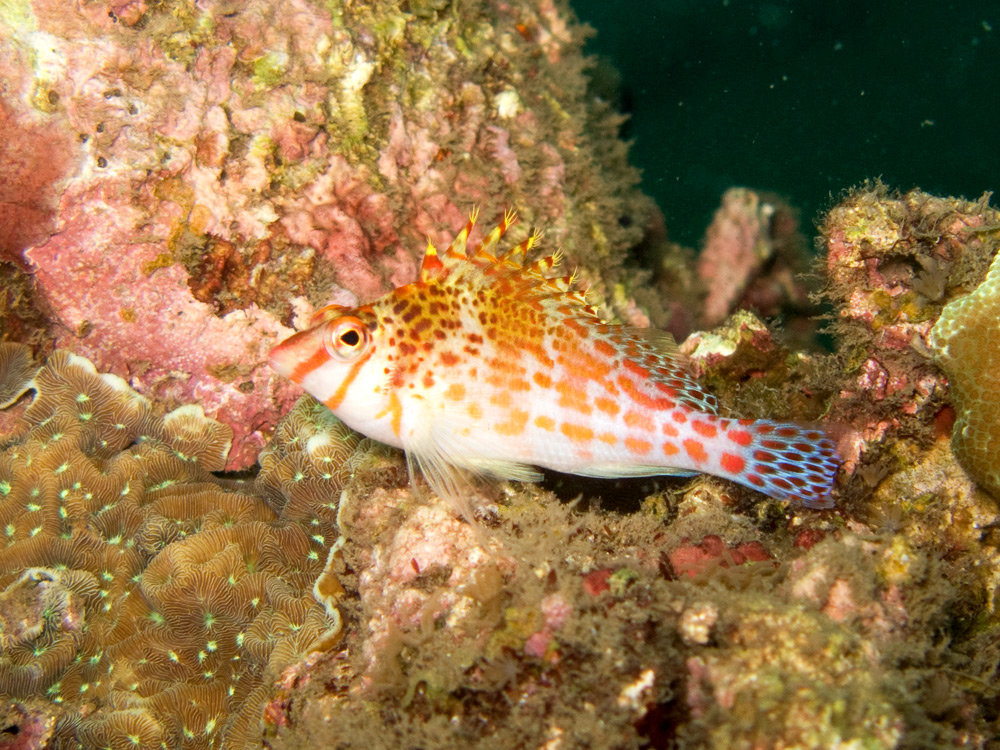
x: 346, y: 338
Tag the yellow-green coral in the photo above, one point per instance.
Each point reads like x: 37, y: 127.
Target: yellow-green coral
x: 966, y: 341
x: 148, y: 602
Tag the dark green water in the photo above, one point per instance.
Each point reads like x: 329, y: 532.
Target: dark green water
x: 803, y: 98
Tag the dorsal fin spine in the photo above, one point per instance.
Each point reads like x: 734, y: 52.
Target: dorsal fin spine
x: 431, y: 267
x: 456, y: 250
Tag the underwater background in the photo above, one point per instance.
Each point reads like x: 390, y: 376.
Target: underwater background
x: 193, y: 554
x: 804, y: 98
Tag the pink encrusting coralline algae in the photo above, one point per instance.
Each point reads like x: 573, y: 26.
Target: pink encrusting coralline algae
x: 489, y: 365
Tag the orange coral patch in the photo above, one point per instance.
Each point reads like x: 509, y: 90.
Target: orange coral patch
x: 639, y: 447
x: 695, y: 450
x: 732, y: 463
x: 576, y: 432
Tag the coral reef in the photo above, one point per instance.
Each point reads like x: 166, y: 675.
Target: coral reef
x: 710, y: 617
x: 966, y: 342
x: 752, y: 258
x: 593, y: 628
x: 334, y: 601
x: 892, y: 263
x: 149, y: 604
x: 210, y: 172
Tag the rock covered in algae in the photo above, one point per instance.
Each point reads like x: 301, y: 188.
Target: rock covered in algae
x: 208, y: 171
x: 966, y: 342
x: 752, y: 258
x: 143, y: 602
x: 893, y: 261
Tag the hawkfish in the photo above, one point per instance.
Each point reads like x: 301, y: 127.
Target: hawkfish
x: 492, y: 364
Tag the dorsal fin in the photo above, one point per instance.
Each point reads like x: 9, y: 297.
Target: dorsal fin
x: 431, y: 267
x: 509, y: 273
x: 657, y: 353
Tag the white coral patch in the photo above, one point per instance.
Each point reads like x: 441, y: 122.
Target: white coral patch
x: 508, y: 104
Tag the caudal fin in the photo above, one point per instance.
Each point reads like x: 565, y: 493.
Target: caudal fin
x: 789, y: 462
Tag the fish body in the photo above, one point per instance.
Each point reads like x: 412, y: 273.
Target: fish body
x: 489, y: 364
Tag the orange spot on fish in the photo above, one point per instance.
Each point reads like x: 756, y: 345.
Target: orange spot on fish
x: 545, y: 423
x: 542, y: 380
x: 603, y: 347
x: 515, y: 423
x: 732, y: 463
x: 571, y: 397
x: 637, y: 446
x: 638, y: 419
x: 679, y: 417
x: 455, y: 392
x: 608, y: 437
x: 449, y: 359
x: 576, y: 432
x: 581, y: 330
x: 704, y: 429
x: 695, y: 450
x: 474, y: 411
x: 640, y: 397
x: 607, y: 405
x: 519, y: 384
x: 397, y: 412
x: 501, y: 399
x: 669, y: 449
x: 584, y: 364
x: 669, y: 430
x: 740, y: 437
x: 635, y: 369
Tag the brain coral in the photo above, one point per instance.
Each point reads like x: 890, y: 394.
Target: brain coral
x: 966, y: 341
x: 149, y: 603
